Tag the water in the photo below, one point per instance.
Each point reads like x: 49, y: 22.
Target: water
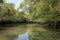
x: 23, y: 36
x: 28, y: 32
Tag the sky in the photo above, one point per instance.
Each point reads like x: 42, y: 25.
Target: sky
x: 16, y: 2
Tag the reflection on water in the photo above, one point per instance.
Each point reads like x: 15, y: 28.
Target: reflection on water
x: 35, y: 32
x: 23, y: 36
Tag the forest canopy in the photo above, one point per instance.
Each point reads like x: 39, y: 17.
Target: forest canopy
x: 39, y: 11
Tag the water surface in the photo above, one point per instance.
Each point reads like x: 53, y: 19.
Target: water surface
x: 23, y: 36
x: 28, y: 32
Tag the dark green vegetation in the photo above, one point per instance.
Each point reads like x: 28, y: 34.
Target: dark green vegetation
x: 45, y: 13
x: 39, y: 11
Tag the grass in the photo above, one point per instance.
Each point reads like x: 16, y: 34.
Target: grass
x: 36, y: 32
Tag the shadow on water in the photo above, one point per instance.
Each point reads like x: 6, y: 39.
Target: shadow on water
x: 4, y: 25
x: 23, y: 36
x: 35, y: 32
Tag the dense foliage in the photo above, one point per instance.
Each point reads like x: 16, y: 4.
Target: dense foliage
x: 8, y: 13
x: 39, y: 11
x: 44, y: 11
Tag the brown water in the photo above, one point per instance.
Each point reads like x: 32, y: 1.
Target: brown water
x: 28, y: 32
